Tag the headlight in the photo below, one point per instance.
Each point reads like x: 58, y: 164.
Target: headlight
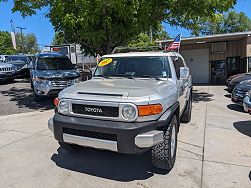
x: 40, y: 81
x: 129, y: 113
x: 63, y: 107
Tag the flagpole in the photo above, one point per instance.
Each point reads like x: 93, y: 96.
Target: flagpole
x: 180, y: 43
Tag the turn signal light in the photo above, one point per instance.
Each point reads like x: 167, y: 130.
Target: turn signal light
x: 148, y: 110
x: 56, y: 102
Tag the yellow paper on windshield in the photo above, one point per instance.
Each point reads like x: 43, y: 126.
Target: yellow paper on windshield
x: 105, y: 62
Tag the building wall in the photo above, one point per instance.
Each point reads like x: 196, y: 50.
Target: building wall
x: 234, y: 48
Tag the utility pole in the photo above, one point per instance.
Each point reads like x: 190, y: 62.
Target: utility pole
x: 22, y: 40
x: 151, y: 34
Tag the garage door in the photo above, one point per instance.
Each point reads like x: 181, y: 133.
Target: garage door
x: 198, y: 62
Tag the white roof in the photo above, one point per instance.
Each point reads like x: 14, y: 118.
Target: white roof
x: 208, y: 37
x: 141, y: 54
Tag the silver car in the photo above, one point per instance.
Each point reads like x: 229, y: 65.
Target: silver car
x: 51, y: 73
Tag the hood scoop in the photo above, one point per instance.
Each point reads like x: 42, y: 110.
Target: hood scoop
x: 101, y: 94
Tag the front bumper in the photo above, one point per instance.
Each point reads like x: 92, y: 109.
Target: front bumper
x: 237, y: 98
x: 247, y: 104
x: 122, y: 137
x: 48, y: 89
x: 5, y: 76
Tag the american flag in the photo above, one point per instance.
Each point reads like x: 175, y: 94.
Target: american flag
x: 175, y: 44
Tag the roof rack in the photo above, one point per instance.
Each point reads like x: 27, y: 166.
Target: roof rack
x: 125, y: 49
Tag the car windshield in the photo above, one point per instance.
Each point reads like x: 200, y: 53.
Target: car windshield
x: 9, y: 59
x: 152, y: 67
x: 54, y: 64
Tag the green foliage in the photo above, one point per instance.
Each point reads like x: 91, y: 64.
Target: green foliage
x: 144, y: 40
x: 6, y: 43
x: 229, y: 22
x: 59, y: 39
x: 29, y: 41
x: 101, y: 25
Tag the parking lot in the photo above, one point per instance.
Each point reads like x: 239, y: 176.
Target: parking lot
x: 213, y: 149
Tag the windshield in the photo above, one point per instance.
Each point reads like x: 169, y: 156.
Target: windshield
x: 54, y: 64
x: 9, y: 59
x: 134, y: 67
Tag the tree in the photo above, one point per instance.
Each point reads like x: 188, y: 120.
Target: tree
x: 100, y: 25
x: 59, y: 39
x: 143, y: 39
x: 29, y: 42
x: 229, y: 22
x: 6, y: 43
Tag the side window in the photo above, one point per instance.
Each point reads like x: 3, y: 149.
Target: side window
x: 178, y: 63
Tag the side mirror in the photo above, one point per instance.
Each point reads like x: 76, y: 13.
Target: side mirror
x: 30, y: 66
x: 184, y: 72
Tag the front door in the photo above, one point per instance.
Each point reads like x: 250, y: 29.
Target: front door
x: 218, y: 72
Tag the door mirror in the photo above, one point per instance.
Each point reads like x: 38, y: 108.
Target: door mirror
x: 30, y: 66
x: 184, y: 72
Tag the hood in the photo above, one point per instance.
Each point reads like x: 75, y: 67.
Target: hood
x: 241, y: 78
x: 244, y: 86
x: 235, y: 76
x: 18, y: 64
x: 98, y: 88
x: 57, y: 73
x: 4, y: 65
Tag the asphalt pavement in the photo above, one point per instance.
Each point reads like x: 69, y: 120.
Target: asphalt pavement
x: 18, y: 97
x: 213, y: 151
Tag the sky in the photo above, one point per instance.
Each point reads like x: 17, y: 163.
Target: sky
x: 44, y: 31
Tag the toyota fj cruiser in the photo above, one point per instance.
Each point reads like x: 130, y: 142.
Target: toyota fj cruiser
x: 134, y: 103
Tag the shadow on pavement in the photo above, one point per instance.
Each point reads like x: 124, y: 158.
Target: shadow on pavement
x: 24, y: 99
x: 236, y: 107
x: 105, y: 164
x: 250, y: 175
x: 202, y: 96
x: 243, y: 127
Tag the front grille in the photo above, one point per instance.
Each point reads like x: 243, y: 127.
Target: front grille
x: 6, y: 69
x: 105, y: 111
x: 61, y: 83
x: 90, y: 134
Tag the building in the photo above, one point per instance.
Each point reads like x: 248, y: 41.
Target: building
x: 212, y: 59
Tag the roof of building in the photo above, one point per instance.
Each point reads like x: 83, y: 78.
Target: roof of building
x: 211, y: 38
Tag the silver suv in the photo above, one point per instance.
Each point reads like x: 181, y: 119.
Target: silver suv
x: 134, y: 103
x: 51, y: 73
x: 7, y: 72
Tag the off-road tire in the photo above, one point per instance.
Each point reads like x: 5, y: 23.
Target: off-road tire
x: 187, y: 113
x: 161, y: 153
x: 69, y: 147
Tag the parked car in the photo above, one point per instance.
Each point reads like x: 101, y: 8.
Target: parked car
x: 247, y: 102
x: 233, y: 77
x: 7, y: 72
x: 2, y: 58
x: 21, y: 62
x: 133, y: 103
x: 51, y: 73
x: 235, y: 81
x: 240, y: 91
